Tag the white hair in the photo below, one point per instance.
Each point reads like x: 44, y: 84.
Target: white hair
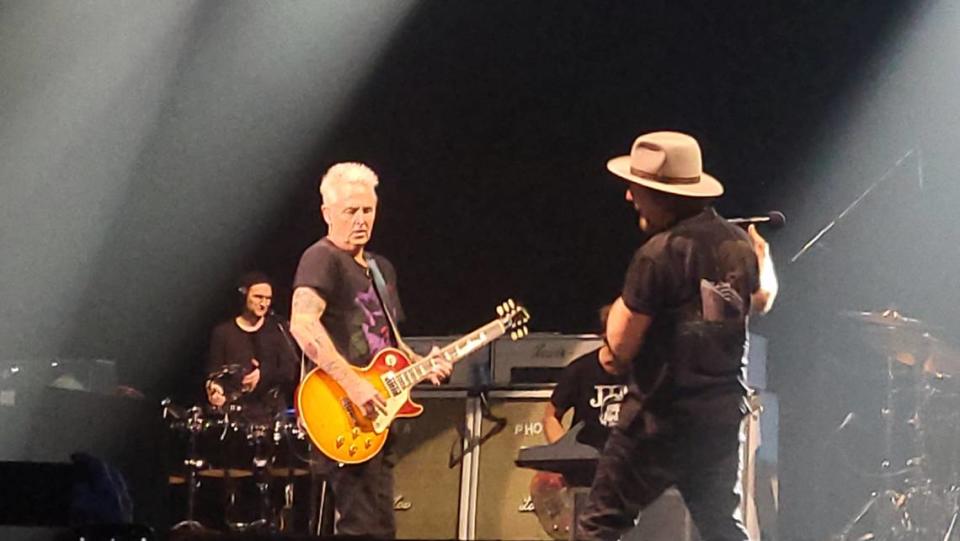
x: 343, y: 175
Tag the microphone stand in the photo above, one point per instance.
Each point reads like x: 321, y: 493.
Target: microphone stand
x: 319, y: 504
x: 856, y: 202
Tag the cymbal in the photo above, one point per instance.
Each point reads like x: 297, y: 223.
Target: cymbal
x: 944, y: 359
x: 893, y: 334
x: 889, y: 318
x: 907, y: 345
x: 908, y: 341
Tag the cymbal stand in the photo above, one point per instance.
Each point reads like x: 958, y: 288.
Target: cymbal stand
x: 285, y: 516
x: 844, y: 534
x: 194, y: 463
x: 888, y: 421
x: 887, y: 414
x: 953, y: 517
x: 261, y: 458
x: 952, y: 491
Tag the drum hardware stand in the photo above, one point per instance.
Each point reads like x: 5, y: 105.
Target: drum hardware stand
x: 886, y: 413
x: 285, y: 515
x: 845, y: 533
x: 262, y: 479
x: 320, y: 514
x: 904, y: 523
x: 953, y: 516
x: 194, y: 463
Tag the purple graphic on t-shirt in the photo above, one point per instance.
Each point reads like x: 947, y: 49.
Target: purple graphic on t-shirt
x: 374, y: 324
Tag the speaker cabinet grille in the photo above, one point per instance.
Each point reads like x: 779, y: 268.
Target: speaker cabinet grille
x: 504, y: 510
x: 427, y: 490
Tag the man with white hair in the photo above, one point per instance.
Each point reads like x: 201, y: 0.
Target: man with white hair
x: 340, y: 323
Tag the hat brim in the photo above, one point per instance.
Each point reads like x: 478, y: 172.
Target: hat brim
x: 707, y: 186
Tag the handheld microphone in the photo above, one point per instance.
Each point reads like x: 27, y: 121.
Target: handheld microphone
x: 774, y: 219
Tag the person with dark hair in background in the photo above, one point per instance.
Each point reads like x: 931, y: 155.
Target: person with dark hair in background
x: 250, y: 363
x: 594, y: 386
x: 681, y: 324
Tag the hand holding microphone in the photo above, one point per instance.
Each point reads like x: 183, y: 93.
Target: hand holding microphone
x: 775, y: 219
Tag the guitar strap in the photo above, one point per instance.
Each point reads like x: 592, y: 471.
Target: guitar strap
x: 380, y: 287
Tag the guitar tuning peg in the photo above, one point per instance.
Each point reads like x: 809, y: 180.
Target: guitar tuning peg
x: 500, y: 310
x: 513, y: 335
x: 511, y: 303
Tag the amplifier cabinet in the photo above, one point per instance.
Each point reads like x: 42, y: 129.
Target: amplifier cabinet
x: 486, y: 496
x: 538, y: 350
x: 504, y: 509
x: 427, y: 491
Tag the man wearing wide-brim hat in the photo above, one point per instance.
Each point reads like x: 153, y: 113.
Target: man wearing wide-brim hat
x: 681, y: 325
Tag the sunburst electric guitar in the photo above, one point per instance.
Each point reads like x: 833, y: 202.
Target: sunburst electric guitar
x: 341, y: 430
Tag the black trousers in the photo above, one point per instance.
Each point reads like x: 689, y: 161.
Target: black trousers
x: 363, y: 497
x: 646, y: 454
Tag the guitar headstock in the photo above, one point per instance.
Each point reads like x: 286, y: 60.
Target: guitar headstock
x: 514, y: 318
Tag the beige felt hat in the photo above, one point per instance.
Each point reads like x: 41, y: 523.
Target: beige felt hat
x: 669, y: 162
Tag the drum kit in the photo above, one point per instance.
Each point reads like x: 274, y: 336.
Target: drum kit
x: 920, y: 468
x: 239, y: 470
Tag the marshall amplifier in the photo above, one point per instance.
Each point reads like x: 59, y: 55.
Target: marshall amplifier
x: 471, y: 372
x: 427, y: 491
x: 504, y: 508
x: 538, y: 358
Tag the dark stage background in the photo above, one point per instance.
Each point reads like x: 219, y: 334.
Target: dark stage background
x: 152, y: 153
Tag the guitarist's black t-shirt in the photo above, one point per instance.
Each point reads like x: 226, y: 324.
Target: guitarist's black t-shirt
x: 353, y: 318
x: 695, y: 280
x: 594, y: 394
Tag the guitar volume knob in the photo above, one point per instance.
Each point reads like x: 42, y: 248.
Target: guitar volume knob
x: 355, y: 432
x: 352, y: 450
x: 368, y: 444
x: 340, y: 440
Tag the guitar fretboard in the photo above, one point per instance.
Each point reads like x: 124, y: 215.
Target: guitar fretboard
x: 453, y: 352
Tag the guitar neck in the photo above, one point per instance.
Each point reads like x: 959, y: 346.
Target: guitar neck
x: 452, y: 352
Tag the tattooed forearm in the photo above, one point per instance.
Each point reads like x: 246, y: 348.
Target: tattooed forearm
x: 305, y: 326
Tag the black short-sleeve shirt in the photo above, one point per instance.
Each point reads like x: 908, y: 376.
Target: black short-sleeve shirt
x: 354, y: 317
x: 593, y: 393
x: 695, y: 280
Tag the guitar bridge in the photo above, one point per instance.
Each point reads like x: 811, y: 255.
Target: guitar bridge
x: 348, y: 408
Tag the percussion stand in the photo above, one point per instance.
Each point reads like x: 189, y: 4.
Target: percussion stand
x: 262, y: 479
x: 952, y: 492
x: 193, y: 463
x: 285, y: 520
x: 886, y: 413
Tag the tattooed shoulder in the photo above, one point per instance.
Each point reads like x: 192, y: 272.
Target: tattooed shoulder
x: 307, y: 302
